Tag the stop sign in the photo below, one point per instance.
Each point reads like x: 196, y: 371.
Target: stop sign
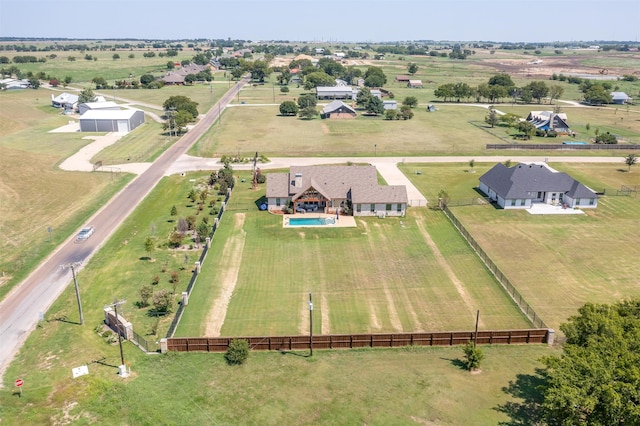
x: 19, y: 382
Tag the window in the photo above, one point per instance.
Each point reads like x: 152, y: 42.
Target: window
x: 513, y: 202
x: 592, y: 201
x: 398, y: 207
x: 358, y: 208
x: 388, y: 207
x: 523, y: 202
x: 372, y: 207
x: 277, y: 201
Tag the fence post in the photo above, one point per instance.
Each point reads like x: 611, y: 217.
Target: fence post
x: 197, y: 266
x: 551, y: 336
x: 164, y: 347
x: 185, y: 298
x: 208, y: 242
x: 107, y: 311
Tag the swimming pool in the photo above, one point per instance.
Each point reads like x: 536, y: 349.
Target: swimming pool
x: 311, y: 221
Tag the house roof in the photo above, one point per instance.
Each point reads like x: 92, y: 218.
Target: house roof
x: 525, y: 180
x: 172, y: 77
x: 548, y: 119
x: 65, y: 98
x: 403, y: 78
x: 108, y: 114
x: 336, y: 182
x: 334, y: 105
x: 100, y: 105
x: 333, y: 89
x: 415, y: 82
x: 619, y: 96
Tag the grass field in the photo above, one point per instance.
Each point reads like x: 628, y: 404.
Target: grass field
x: 558, y: 263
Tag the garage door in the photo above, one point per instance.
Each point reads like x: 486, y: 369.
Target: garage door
x: 123, y: 126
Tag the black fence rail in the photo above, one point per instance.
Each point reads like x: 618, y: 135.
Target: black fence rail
x: 144, y: 344
x: 354, y: 341
x: 203, y: 256
x: 515, y: 295
x: 561, y: 147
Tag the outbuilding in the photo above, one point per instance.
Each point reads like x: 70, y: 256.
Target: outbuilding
x: 121, y: 121
x: 105, y: 105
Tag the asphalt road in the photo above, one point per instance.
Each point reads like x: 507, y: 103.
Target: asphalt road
x: 21, y: 308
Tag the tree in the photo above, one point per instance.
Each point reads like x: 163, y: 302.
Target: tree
x: 597, y: 94
x: 472, y: 356
x: 472, y: 164
x: 307, y: 100
x: 596, y: 379
x: 237, y: 352
x: 202, y: 230
x: 443, y: 198
x: 149, y: 246
x: 527, y: 128
x: 308, y: 112
x: 284, y: 89
x: 462, y: 90
x: 538, y: 90
x: 54, y: 82
x: 146, y: 293
x: 444, y: 91
x: 162, y: 301
x: 181, y: 103
x: 606, y: 138
x: 555, y: 91
x: 405, y: 112
x: 174, y: 211
x: 86, y: 96
x: 318, y: 78
x: 190, y: 78
x: 67, y: 80
x: 116, y: 56
x: 630, y: 160
x: 501, y: 79
x: 410, y: 101
x: 412, y: 68
x: 374, y: 77
x: 100, y: 82
x: 288, y: 108
x: 391, y: 114
x: 375, y: 106
x: 34, y: 83
x: 492, y: 118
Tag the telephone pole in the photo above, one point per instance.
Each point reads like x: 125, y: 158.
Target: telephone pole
x: 310, y: 326
x: 73, y: 265
x: 114, y: 305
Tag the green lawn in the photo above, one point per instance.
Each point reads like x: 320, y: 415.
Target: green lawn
x: 557, y: 263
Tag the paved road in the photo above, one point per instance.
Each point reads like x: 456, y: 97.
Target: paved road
x: 19, y: 311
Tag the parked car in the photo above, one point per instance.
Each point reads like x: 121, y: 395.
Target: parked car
x: 85, y: 233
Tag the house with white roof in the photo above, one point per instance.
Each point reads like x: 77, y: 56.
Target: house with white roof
x: 332, y: 189
x: 549, y: 120
x: 620, y: 98
x: 65, y: 100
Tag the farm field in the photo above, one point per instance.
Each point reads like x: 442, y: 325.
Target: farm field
x: 558, y: 263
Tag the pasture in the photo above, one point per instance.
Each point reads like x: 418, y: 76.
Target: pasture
x: 558, y: 263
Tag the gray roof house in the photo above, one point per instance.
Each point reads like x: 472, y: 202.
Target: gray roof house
x: 620, y: 98
x: 65, y: 100
x: 121, y: 121
x: 338, y: 109
x: 390, y: 104
x: 520, y: 186
x: 330, y: 189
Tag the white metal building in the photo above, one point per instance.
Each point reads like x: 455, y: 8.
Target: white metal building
x: 121, y: 121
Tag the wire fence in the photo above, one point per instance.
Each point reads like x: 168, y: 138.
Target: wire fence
x: 515, y: 295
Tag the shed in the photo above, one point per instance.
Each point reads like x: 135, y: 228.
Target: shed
x: 415, y: 84
x: 620, y: 98
x: 334, y: 92
x: 121, y: 121
x: 390, y: 104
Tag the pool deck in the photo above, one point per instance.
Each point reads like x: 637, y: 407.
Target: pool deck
x: 342, y: 222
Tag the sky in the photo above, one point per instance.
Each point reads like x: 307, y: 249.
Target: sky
x: 325, y: 20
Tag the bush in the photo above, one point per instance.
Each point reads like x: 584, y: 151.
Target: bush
x: 238, y: 352
x: 606, y: 138
x: 472, y: 356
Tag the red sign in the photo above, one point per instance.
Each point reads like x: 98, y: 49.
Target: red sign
x: 19, y: 383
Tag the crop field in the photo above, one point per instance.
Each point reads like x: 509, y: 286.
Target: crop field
x: 558, y: 263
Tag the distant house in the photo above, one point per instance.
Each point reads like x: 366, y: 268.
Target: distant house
x: 13, y: 83
x: 121, y: 121
x: 376, y: 92
x: 549, y: 120
x: 65, y: 100
x: 390, y: 104
x: 521, y: 186
x: 338, y: 109
x: 403, y: 78
x: 415, y: 84
x: 173, y: 78
x: 334, y: 92
x: 104, y: 105
x: 330, y: 189
x: 620, y: 98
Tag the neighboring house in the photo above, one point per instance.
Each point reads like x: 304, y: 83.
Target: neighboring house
x: 521, y: 186
x: 12, y: 83
x: 104, y: 105
x: 173, y: 78
x: 330, y: 189
x: 334, y: 92
x: 415, y: 84
x: 376, y: 92
x: 65, y: 100
x: 338, y: 109
x: 390, y: 104
x: 403, y: 78
x: 121, y: 121
x: 620, y: 98
x: 549, y: 120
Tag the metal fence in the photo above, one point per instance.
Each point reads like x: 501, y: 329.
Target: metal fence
x: 353, y: 341
x: 194, y: 276
x: 143, y: 344
x: 515, y: 295
x: 561, y: 147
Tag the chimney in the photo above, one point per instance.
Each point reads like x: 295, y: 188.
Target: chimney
x: 298, y: 180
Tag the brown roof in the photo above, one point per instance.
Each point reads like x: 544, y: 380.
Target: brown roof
x: 403, y: 78
x: 358, y: 183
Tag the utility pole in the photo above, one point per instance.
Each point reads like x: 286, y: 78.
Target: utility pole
x: 123, y: 368
x: 73, y: 265
x: 310, y: 325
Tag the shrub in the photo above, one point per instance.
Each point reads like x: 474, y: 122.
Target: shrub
x: 162, y: 301
x: 472, y: 356
x: 238, y: 352
x: 146, y: 292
